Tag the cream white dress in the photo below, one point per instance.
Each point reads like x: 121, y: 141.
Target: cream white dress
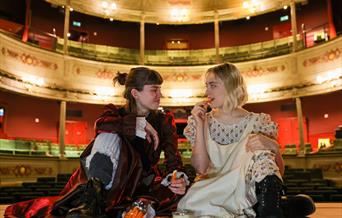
x: 229, y: 189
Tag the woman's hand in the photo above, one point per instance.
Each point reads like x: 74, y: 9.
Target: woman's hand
x: 152, y: 134
x: 198, y: 111
x: 178, y: 186
x: 261, y: 142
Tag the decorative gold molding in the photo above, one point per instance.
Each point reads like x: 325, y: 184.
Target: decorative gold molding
x: 25, y: 170
x: 29, y: 59
x: 311, y: 71
x: 331, y: 55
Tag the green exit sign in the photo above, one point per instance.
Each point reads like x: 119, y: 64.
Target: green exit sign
x: 284, y: 18
x: 76, y: 23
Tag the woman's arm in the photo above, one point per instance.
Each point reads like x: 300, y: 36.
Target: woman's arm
x: 112, y: 122
x: 262, y: 142
x: 280, y: 163
x: 199, y: 158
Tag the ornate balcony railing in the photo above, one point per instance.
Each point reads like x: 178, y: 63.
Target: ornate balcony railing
x: 30, y: 70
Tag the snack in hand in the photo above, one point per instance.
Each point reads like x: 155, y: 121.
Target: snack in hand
x: 174, y: 176
x: 135, y: 212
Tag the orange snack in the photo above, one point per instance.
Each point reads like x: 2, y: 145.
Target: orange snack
x: 140, y: 214
x: 128, y: 215
x: 132, y: 212
x: 135, y: 212
x: 174, y: 176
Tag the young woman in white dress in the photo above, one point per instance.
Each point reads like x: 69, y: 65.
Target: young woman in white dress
x: 236, y: 151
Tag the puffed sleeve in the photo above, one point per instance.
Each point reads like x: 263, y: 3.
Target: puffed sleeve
x: 190, y: 131
x: 111, y: 121
x: 266, y: 126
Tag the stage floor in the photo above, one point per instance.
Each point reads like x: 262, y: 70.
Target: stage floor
x: 324, y: 210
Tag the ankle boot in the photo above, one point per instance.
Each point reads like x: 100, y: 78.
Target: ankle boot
x: 91, y: 204
x: 268, y: 193
x: 298, y: 206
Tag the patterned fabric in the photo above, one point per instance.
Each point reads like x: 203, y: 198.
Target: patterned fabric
x: 263, y: 161
x: 263, y: 165
x: 229, y: 133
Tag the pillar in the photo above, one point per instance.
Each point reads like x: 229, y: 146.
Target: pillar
x: 61, y: 136
x: 142, y: 40
x: 27, y: 21
x: 293, y: 25
x: 300, y: 127
x: 66, y: 26
x: 217, y: 38
x: 332, y: 30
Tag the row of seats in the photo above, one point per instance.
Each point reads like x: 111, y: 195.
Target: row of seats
x: 312, y: 183
x: 297, y: 181
x: 45, y: 186
x: 47, y: 148
x: 37, y: 148
x: 291, y: 149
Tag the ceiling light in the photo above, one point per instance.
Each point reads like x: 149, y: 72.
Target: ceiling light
x: 180, y: 14
x: 108, y: 7
x: 253, y: 6
x: 104, y: 4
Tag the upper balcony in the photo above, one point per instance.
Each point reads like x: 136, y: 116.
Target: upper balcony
x: 30, y: 70
x: 233, y: 54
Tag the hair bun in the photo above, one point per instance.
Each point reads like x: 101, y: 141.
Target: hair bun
x: 120, y: 78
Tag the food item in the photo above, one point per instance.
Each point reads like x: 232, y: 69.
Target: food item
x: 138, y: 209
x: 174, y: 176
x: 135, y: 212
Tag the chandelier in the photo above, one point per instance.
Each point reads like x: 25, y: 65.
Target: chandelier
x: 108, y: 7
x: 180, y: 14
x: 253, y: 6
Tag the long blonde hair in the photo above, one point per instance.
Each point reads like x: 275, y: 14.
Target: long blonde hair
x: 234, y: 84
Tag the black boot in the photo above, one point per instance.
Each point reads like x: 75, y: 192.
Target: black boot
x: 91, y: 203
x: 298, y: 206
x: 268, y: 193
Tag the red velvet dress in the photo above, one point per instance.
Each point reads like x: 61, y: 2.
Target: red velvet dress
x: 130, y: 172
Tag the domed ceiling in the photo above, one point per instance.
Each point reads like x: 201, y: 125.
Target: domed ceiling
x: 174, y: 11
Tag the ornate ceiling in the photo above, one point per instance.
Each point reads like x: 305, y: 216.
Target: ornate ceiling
x: 174, y: 11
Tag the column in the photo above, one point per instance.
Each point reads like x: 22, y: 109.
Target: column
x: 142, y: 40
x: 293, y: 25
x: 61, y: 136
x: 217, y: 38
x: 332, y: 30
x: 300, y: 127
x: 27, y: 21
x: 66, y: 26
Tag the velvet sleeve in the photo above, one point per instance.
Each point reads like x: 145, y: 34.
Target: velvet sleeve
x: 170, y: 144
x: 114, y: 122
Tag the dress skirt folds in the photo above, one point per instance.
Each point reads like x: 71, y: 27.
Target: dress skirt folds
x: 225, y: 192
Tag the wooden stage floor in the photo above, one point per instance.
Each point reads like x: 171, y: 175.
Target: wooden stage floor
x: 324, y: 210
